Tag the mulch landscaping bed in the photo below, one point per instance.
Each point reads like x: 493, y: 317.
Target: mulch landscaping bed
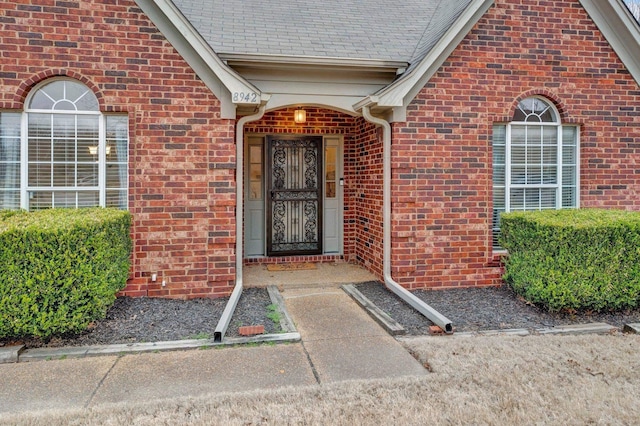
x: 478, y: 309
x: 143, y: 319
x: 138, y: 320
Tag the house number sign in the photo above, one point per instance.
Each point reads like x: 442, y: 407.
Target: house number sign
x: 245, y: 97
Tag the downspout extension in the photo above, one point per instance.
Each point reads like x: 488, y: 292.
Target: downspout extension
x: 418, y: 304
x: 225, y: 319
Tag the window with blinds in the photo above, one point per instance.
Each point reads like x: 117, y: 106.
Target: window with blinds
x: 66, y: 154
x: 535, y: 162
x: 10, y: 160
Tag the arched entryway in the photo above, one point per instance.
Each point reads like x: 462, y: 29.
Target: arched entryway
x: 294, y: 185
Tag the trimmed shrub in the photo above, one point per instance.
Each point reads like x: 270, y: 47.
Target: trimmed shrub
x: 6, y: 214
x: 574, y: 259
x: 60, y: 269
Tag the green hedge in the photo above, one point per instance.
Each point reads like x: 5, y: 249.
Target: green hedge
x: 574, y: 259
x: 6, y: 214
x: 60, y: 269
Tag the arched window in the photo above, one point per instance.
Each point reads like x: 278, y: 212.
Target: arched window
x: 535, y: 162
x: 69, y: 154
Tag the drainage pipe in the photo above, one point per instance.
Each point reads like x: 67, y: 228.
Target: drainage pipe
x: 223, y: 324
x: 418, y: 304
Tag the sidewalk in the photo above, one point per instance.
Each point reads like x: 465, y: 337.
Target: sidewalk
x: 339, y: 342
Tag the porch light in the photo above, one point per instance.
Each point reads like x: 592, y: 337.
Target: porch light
x: 300, y: 116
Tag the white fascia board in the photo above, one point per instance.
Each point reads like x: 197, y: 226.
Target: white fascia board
x: 620, y: 29
x: 265, y: 60
x: 219, y: 78
x: 401, y: 92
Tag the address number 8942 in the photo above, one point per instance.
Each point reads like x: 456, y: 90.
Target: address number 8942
x: 245, y: 97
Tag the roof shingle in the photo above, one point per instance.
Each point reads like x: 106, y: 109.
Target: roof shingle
x: 365, y: 29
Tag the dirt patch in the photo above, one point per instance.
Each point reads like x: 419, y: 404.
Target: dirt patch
x: 138, y: 320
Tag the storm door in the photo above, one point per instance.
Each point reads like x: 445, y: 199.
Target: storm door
x: 294, y: 195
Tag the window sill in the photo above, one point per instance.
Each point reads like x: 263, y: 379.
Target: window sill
x: 497, y: 256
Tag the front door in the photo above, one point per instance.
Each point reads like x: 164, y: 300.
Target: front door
x: 294, y: 195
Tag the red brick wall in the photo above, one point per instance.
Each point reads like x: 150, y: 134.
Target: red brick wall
x: 367, y: 166
x: 319, y: 121
x: 442, y: 155
x: 182, y: 155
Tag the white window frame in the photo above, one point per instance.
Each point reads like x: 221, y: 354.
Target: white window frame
x: 558, y: 186
x: 26, y: 190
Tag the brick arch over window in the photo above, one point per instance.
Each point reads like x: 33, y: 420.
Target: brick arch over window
x: 564, y: 112
x: 27, y: 86
x: 549, y: 96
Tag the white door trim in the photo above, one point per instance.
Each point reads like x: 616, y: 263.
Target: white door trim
x: 255, y: 240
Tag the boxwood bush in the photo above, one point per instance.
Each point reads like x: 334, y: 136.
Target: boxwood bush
x: 60, y: 269
x: 570, y: 260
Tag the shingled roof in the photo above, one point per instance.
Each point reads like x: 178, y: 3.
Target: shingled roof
x: 387, y: 30
x: 405, y: 42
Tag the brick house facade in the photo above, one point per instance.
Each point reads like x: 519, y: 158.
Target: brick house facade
x: 181, y: 153
x: 182, y: 158
x: 444, y: 147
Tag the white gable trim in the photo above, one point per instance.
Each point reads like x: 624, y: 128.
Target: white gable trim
x: 619, y: 28
x: 402, y: 91
x: 216, y: 75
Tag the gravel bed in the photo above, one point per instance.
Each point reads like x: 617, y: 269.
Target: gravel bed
x: 477, y: 309
x: 138, y: 320
x: 144, y: 319
x: 252, y: 309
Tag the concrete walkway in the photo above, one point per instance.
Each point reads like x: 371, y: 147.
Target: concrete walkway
x: 342, y: 341
x: 339, y: 342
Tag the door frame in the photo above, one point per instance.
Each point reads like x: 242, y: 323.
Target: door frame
x: 260, y: 138
x: 271, y: 190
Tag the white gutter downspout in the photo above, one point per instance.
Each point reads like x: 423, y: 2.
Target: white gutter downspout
x: 418, y: 304
x: 223, y: 324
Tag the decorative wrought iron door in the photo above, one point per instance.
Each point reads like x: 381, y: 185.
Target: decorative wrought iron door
x: 294, y: 191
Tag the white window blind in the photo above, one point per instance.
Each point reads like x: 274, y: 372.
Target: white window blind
x: 116, y: 154
x: 10, y: 160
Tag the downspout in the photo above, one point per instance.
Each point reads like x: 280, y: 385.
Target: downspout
x: 418, y: 304
x: 223, y: 324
